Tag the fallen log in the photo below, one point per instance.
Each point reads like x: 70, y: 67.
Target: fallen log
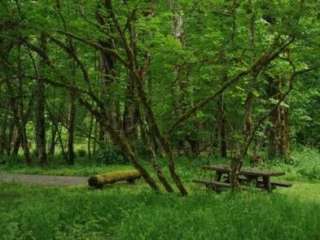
x: 98, y: 181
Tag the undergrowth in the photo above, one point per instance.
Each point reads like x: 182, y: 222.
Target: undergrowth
x: 304, y: 165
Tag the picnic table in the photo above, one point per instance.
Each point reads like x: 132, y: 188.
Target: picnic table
x: 247, y: 176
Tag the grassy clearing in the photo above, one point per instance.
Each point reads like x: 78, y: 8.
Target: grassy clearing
x: 134, y: 212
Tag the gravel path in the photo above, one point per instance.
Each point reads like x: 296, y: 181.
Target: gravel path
x: 43, y: 180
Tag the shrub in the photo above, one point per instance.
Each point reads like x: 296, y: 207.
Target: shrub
x: 307, y: 162
x: 110, y: 155
x: 81, y: 153
x: 11, y: 160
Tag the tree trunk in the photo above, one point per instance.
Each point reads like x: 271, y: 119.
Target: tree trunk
x: 16, y: 142
x: 131, y: 110
x: 22, y: 117
x: 91, y: 129
x: 278, y: 133
x: 63, y: 151
x: 180, y: 86
x: 150, y: 144
x: 71, y: 127
x: 52, y: 148
x: 10, y: 137
x: 95, y: 134
x: 18, y: 131
x: 107, y: 65
x: 121, y: 141
x: 284, y: 139
x: 222, y: 128
x: 40, y: 107
x: 3, y: 134
x: 248, y: 124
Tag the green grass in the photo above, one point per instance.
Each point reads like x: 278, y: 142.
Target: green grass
x: 64, y: 170
x: 305, y: 166
x: 134, y: 212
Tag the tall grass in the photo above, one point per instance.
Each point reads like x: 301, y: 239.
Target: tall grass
x: 304, y: 165
x: 133, y: 212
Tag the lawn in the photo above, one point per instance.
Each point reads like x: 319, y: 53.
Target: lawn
x: 134, y: 212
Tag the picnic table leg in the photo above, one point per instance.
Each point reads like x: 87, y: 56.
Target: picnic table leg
x: 267, y: 183
x: 252, y: 180
x: 218, y: 176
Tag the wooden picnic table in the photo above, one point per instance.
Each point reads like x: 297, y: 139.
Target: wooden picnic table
x: 261, y: 178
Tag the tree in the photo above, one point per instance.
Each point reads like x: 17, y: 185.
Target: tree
x: 158, y: 78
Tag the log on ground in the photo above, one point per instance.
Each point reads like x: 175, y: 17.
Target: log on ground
x: 98, y: 181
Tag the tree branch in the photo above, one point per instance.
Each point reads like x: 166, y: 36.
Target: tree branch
x: 255, y: 69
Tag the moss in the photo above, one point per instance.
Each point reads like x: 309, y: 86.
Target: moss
x: 112, y: 177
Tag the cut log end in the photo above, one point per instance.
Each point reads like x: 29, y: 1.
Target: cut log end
x: 94, y: 182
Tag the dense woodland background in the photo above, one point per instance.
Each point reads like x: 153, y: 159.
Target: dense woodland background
x: 147, y: 79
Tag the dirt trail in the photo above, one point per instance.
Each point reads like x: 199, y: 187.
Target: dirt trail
x: 42, y: 180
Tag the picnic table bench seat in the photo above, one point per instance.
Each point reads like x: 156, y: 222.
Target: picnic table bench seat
x: 260, y: 178
x: 273, y: 183
x: 214, y: 185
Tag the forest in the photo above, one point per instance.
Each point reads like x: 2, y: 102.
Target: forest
x: 159, y: 96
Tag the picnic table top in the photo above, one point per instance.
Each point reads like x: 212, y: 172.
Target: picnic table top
x: 244, y: 171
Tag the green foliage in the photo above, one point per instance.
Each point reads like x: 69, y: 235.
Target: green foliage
x: 307, y: 163
x: 184, y: 51
x: 303, y: 165
x: 81, y: 153
x: 110, y: 154
x: 11, y: 160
